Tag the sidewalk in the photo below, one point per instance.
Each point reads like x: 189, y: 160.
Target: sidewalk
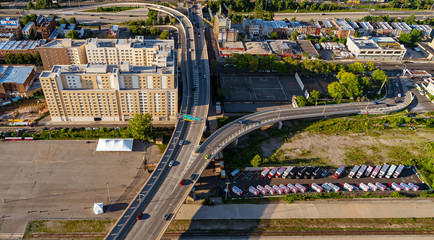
x: 363, y: 208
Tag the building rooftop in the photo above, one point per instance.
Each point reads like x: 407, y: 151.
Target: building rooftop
x: 21, y: 45
x: 343, y: 24
x: 376, y: 43
x: 28, y: 26
x: 64, y: 43
x: 15, y: 74
x: 7, y: 21
x: 282, y: 47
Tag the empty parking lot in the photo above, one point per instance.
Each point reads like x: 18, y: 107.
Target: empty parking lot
x: 63, y: 179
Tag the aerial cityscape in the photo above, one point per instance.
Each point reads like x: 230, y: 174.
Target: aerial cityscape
x: 217, y: 119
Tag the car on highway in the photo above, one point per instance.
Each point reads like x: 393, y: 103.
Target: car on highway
x: 207, y: 156
x: 192, y: 177
x: 139, y: 216
x: 171, y: 163
x: 166, y: 217
x: 181, y: 142
x: 182, y: 182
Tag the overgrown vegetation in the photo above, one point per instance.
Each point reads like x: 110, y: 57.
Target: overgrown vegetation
x: 141, y: 27
x: 68, y: 226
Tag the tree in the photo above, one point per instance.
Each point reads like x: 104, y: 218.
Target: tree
x: 19, y: 58
x: 30, y: 5
x: 315, y: 95
x: 273, y: 35
x: 160, y: 20
x: 9, y: 58
x: 37, y: 58
x: 164, y: 34
x: 405, y: 38
x: 154, y: 31
x: 256, y: 161
x: 379, y: 76
x: 294, y: 35
x: 167, y: 19
x: 301, y: 101
x: 43, y: 4
x: 356, y: 67
x: 72, y: 20
x: 140, y: 127
x: 357, y: 34
x: 416, y: 35
x: 72, y: 34
x: 336, y: 90
x: 305, y: 55
x: 62, y: 21
x: 28, y: 58
x: 369, y: 66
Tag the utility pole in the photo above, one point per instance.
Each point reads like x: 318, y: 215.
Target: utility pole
x: 1, y: 198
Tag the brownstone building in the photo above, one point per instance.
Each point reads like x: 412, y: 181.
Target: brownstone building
x: 63, y: 52
x: 11, y: 25
x: 22, y: 47
x: 16, y: 80
x: 47, y: 27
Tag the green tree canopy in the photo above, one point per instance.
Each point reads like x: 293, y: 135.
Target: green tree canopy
x: 336, y: 90
x: 62, y: 21
x: 256, y: 161
x: 314, y: 94
x: 72, y: 20
x: 164, y: 34
x: 140, y: 127
x: 72, y: 34
x: 43, y: 4
x: 30, y: 5
x: 301, y: 101
x: 294, y: 35
x: 379, y: 76
x: 405, y: 38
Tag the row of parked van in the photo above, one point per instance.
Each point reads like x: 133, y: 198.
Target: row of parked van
x: 294, y: 172
x: 325, y: 187
x: 379, y: 171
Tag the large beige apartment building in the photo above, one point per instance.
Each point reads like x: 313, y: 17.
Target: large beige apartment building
x: 136, y: 51
x: 105, y: 92
x: 63, y: 52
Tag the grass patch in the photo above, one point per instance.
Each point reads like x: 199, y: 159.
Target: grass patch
x: 69, y: 226
x: 221, y: 121
x: 294, y: 225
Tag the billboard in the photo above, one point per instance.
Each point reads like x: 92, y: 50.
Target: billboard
x: 8, y: 22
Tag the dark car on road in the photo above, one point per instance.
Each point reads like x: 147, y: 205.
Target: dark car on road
x: 166, y: 217
x: 139, y: 216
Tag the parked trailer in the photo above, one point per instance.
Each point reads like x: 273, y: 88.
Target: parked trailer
x: 383, y: 171
x: 398, y: 171
x: 272, y: 172
x: 372, y: 187
x: 405, y: 187
x: 302, y: 171
x: 348, y: 187
x: 270, y: 189
x: 254, y: 191
x: 339, y: 171
x: 380, y: 186
x: 413, y: 186
x: 369, y: 171
x: 316, y: 187
x: 293, y: 172
x: 395, y: 186
x: 317, y: 172
x: 361, y: 171
x: 300, y: 187
x: 280, y: 172
x: 391, y: 171
x: 264, y: 172
x: 376, y: 171
x: 309, y: 172
x: 286, y: 172
x: 237, y: 190
x: 287, y: 190
x: 278, y: 189
x: 326, y: 187
x: 292, y: 188
x: 262, y: 189
x: 353, y: 171
x: 334, y: 187
x: 364, y: 187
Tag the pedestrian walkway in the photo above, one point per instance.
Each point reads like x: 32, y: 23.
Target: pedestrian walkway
x: 363, y: 208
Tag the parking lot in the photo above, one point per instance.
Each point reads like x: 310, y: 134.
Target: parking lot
x: 245, y: 179
x: 63, y: 179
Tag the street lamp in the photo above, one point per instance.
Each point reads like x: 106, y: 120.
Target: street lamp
x: 108, y: 191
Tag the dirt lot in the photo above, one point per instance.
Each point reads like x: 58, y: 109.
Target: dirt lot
x: 337, y: 149
x: 63, y: 179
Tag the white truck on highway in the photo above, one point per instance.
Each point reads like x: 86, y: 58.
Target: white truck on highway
x: 353, y: 171
x: 383, y: 171
x: 376, y: 171
x: 361, y: 171
x: 398, y: 171
x: 391, y: 171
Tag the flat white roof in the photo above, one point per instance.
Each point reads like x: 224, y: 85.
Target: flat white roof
x: 115, y: 145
